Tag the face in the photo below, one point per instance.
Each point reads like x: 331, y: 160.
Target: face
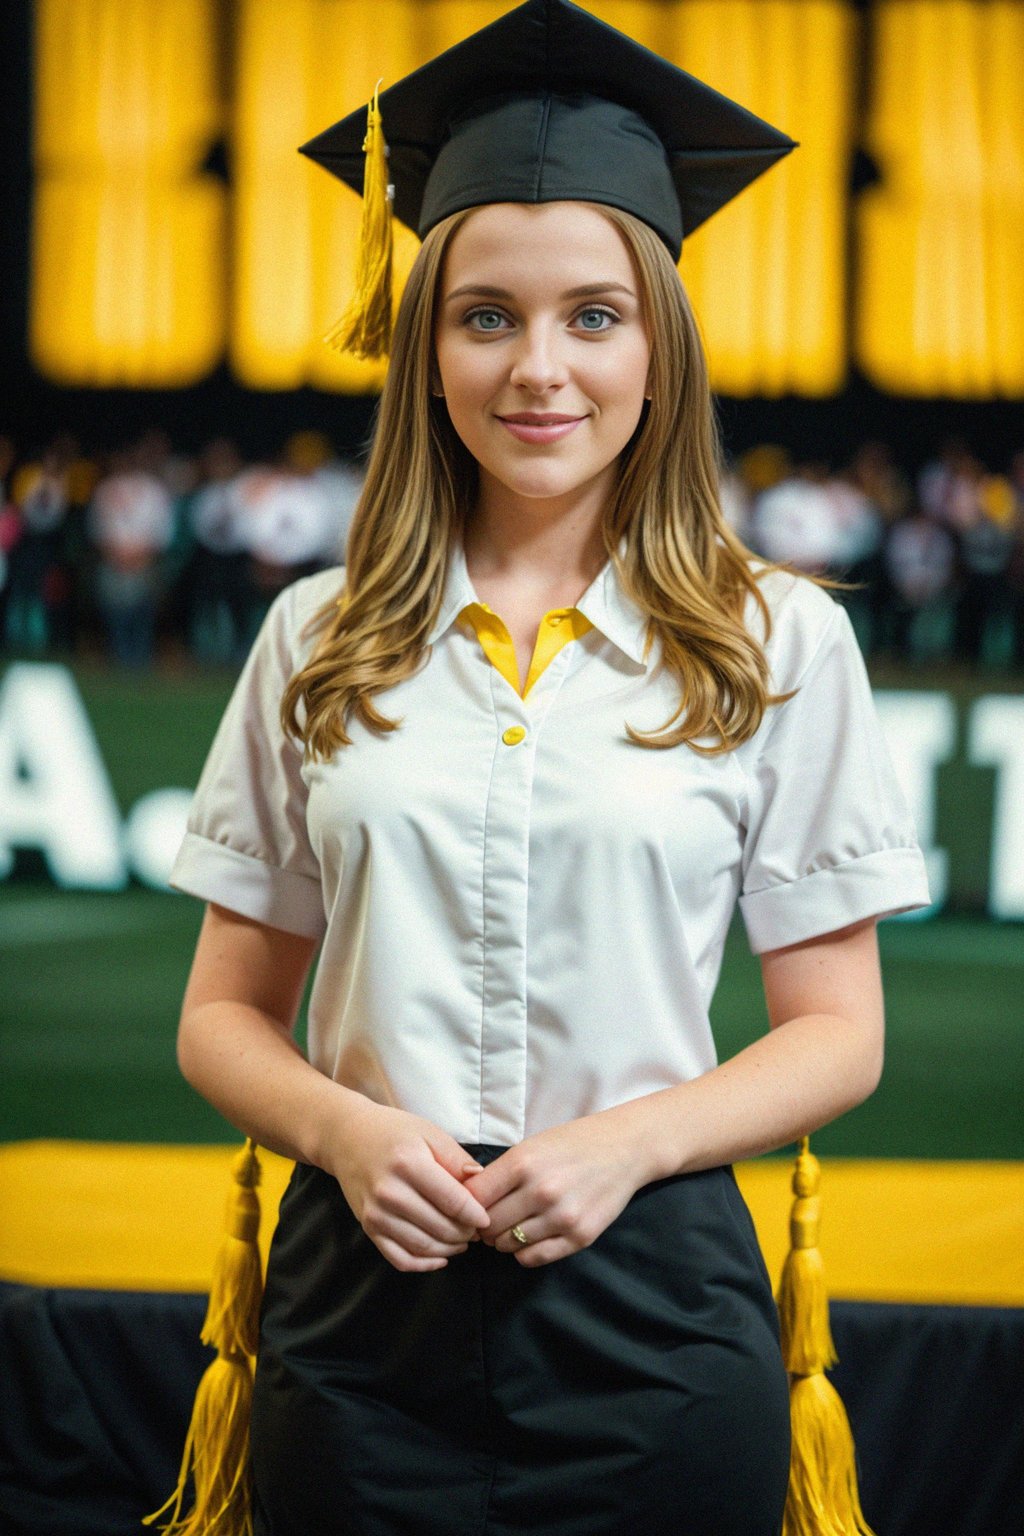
x: 541, y: 351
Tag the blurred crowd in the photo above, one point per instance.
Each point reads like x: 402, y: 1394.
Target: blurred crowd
x: 935, y: 560
x: 146, y: 552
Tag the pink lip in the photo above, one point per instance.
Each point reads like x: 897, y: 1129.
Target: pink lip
x: 530, y: 428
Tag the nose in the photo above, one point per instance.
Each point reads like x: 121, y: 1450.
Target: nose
x: 538, y: 362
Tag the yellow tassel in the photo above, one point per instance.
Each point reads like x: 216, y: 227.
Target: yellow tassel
x: 365, y: 327
x: 217, y: 1445
x: 822, y: 1498
x: 807, y: 1345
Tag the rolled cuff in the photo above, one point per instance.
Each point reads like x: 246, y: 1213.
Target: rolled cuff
x: 281, y: 898
x: 875, y: 885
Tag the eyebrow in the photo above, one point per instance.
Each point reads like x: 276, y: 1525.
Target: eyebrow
x: 586, y: 291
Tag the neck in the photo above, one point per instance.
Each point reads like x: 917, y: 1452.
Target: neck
x: 536, y: 539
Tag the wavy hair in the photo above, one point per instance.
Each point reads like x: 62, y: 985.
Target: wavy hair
x: 682, y: 563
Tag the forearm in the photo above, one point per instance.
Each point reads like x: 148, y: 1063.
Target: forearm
x: 786, y: 1084
x: 243, y: 1063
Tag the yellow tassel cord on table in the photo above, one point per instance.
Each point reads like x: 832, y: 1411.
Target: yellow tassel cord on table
x: 217, y: 1445
x: 822, y: 1498
x: 365, y: 327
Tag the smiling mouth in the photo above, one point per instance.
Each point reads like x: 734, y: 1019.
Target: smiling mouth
x: 529, y: 428
x: 538, y: 418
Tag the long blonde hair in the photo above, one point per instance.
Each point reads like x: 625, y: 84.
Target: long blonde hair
x: 682, y: 563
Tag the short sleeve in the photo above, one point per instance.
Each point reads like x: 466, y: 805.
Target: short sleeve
x: 829, y: 839
x: 246, y: 844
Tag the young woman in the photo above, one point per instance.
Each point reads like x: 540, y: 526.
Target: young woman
x: 510, y: 770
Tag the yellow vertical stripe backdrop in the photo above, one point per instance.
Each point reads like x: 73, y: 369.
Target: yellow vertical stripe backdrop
x: 766, y: 275
x: 128, y: 237
x: 301, y: 65
x: 147, y: 271
x: 941, y: 300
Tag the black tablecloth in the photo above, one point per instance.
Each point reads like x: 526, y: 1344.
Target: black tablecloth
x: 96, y: 1389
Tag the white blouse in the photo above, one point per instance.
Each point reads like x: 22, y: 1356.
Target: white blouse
x: 522, y: 912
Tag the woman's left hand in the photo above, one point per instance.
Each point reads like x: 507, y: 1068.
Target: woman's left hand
x: 562, y: 1186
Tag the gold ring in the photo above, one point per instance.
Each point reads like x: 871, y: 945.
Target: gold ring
x: 519, y: 1235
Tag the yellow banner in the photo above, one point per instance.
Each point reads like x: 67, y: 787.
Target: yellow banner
x: 126, y: 1217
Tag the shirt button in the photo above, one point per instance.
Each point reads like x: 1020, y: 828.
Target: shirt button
x: 513, y: 735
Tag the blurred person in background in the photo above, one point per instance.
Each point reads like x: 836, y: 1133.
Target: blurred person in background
x: 984, y: 552
x: 132, y: 526
x: 10, y: 526
x: 858, y: 532
x: 155, y: 455
x: 759, y: 468
x: 39, y: 577
x: 282, y: 520
x: 873, y: 471
x: 1015, y: 565
x: 339, y: 483
x: 948, y: 486
x: 217, y: 622
x: 919, y: 557
x: 796, y: 521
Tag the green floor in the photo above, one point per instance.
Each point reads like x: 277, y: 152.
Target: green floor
x: 92, y: 985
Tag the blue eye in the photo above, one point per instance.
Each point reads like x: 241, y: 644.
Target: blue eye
x: 485, y: 317
x: 601, y: 314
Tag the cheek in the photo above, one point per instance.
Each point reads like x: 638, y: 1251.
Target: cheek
x: 467, y: 372
x: 620, y: 376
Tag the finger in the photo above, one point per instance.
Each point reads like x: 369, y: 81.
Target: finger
x: 409, y: 1208
x: 536, y: 1229
x: 450, y: 1154
x: 504, y: 1214
x: 499, y: 1179
x: 398, y: 1258
x: 536, y: 1254
x: 448, y: 1196
x: 410, y: 1236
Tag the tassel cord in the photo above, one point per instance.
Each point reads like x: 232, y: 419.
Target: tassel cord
x: 822, y: 1498
x: 365, y: 327
x: 216, y: 1453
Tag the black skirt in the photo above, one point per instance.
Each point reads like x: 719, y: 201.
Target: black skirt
x: 635, y: 1388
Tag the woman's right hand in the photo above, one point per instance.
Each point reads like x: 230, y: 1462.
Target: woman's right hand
x: 402, y: 1176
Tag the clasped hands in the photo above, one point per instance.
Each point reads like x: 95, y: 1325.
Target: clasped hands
x: 421, y: 1198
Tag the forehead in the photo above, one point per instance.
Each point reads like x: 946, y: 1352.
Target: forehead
x: 560, y: 242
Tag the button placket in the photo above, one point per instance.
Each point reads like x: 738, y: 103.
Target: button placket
x: 505, y: 891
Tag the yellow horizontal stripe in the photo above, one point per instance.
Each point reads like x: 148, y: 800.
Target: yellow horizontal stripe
x: 124, y: 1217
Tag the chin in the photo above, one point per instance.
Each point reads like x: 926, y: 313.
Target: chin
x: 541, y: 480
x: 541, y: 489
x: 537, y: 481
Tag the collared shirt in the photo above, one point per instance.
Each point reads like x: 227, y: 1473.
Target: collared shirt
x: 522, y: 911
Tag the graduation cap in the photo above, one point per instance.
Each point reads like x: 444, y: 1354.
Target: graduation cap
x: 546, y: 103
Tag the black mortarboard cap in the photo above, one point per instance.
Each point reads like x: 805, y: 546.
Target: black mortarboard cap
x: 549, y: 103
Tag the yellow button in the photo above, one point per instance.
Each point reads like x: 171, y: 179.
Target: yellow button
x: 514, y: 734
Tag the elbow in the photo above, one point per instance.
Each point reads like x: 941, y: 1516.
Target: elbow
x: 186, y: 1048
x: 869, y: 1061
x: 873, y: 1073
